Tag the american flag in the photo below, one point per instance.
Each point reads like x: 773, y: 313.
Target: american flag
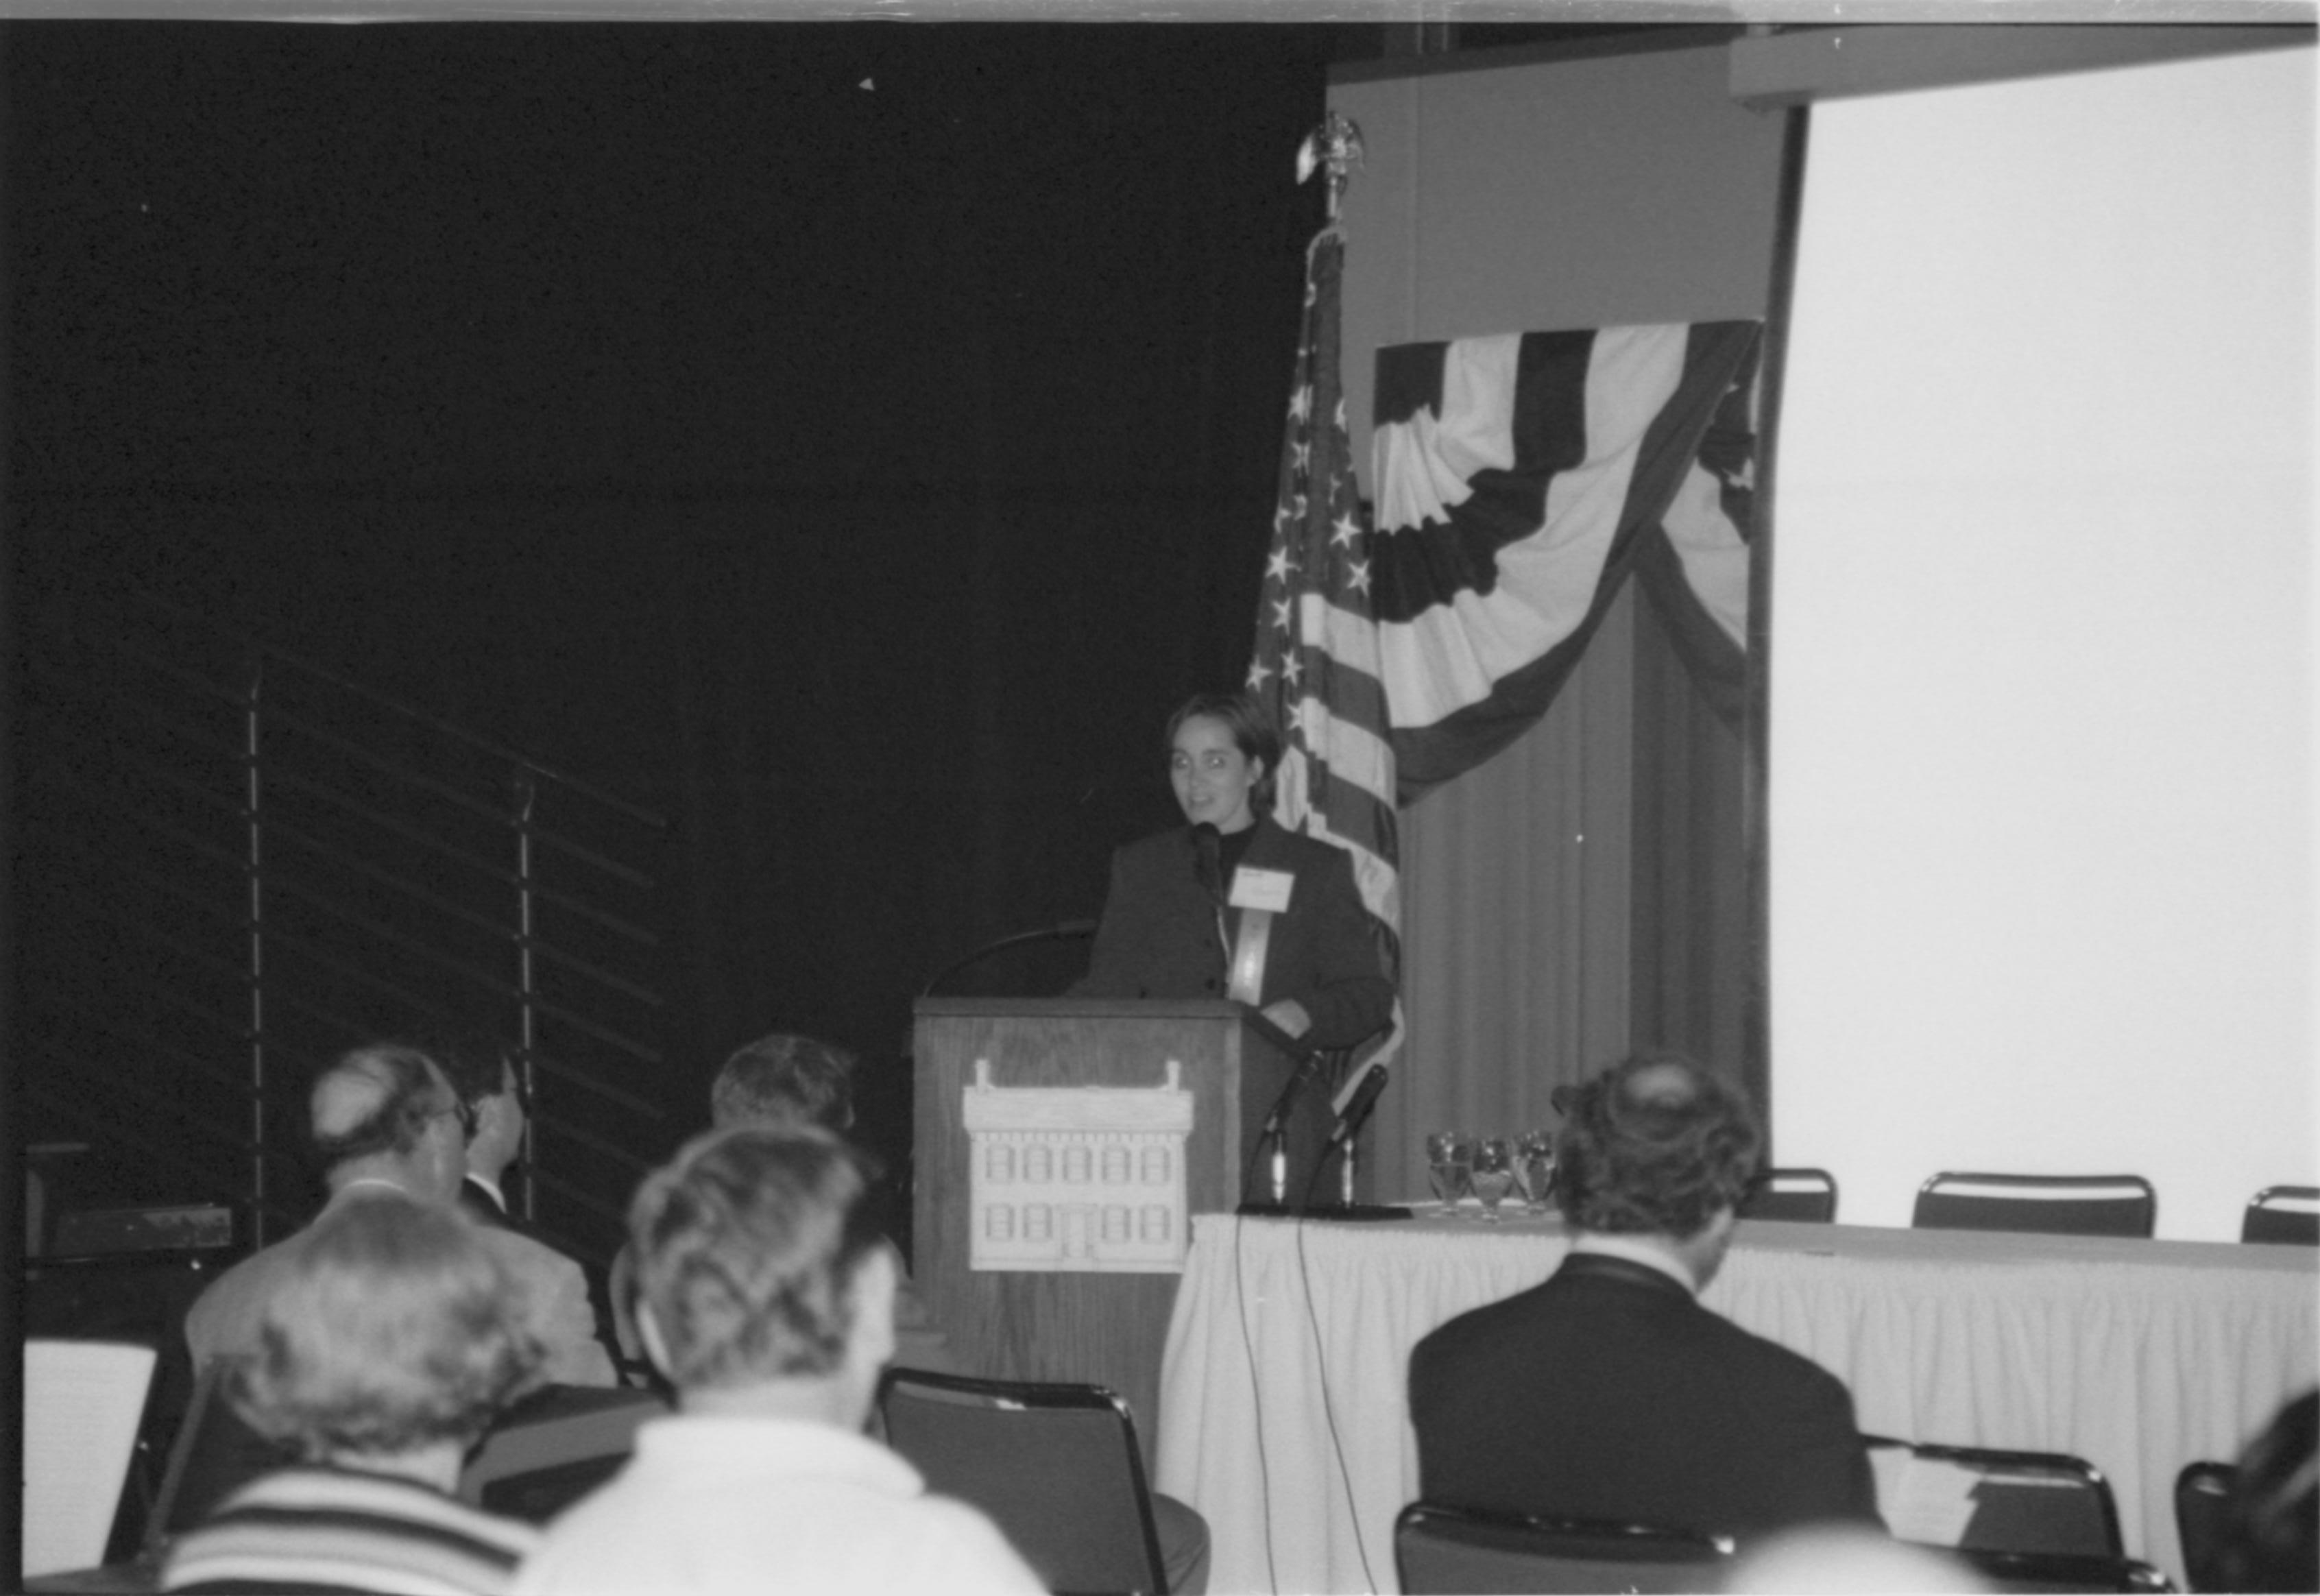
x: 1315, y: 659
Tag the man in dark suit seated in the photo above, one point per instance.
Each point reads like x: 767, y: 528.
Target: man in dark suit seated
x: 491, y: 1115
x: 494, y: 1116
x: 1609, y: 1391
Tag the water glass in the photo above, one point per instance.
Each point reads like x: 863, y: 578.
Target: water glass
x: 1535, y: 1162
x: 1492, y: 1176
x: 1449, y: 1160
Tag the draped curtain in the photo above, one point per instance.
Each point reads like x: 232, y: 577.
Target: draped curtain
x: 1689, y: 937
x: 1515, y: 922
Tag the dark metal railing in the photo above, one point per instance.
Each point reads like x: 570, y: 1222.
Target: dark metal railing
x: 240, y: 861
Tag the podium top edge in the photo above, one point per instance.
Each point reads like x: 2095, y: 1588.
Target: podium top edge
x: 1082, y: 1008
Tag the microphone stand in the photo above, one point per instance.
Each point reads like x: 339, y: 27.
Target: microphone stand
x: 1056, y: 933
x: 1355, y: 1104
x: 1352, y: 1112
x: 1275, y: 1132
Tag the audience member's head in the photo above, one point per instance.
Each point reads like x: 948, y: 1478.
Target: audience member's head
x: 2272, y: 1519
x: 1657, y: 1145
x: 759, y: 1274
x: 785, y: 1079
x: 393, y: 1336
x: 1841, y: 1558
x: 490, y: 1100
x: 386, y: 1111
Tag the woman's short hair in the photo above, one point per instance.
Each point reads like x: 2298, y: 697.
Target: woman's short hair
x: 785, y: 1079
x: 746, y: 1246
x: 1252, y: 730
x: 1654, y: 1145
x: 394, y: 1326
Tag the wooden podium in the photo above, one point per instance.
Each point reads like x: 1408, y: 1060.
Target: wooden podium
x: 1108, y: 1328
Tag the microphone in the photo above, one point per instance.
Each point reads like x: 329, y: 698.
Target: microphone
x: 1206, y: 840
x: 1354, y: 1109
x: 1353, y: 1104
x: 1307, y: 1068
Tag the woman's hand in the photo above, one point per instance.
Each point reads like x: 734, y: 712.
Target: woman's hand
x: 1290, y: 1015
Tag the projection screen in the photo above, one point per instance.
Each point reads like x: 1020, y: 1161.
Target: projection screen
x: 2041, y: 806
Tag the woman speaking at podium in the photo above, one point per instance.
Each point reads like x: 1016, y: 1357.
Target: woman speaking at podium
x: 1232, y: 905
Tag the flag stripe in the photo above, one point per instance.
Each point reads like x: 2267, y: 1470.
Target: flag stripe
x: 1348, y: 751
x: 1372, y: 873
x: 1333, y: 672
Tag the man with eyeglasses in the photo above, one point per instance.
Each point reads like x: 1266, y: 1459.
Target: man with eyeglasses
x: 494, y: 1115
x: 495, y: 1112
x: 388, y: 1127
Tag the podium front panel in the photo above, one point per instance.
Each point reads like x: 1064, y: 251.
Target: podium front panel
x: 1107, y: 1329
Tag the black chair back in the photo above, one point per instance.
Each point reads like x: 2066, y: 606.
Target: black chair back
x: 1439, y: 1550
x: 538, y: 1495
x: 2064, y: 1204
x: 553, y: 1447
x: 1055, y: 1466
x: 215, y: 1454
x: 1799, y: 1196
x: 2286, y: 1216
x: 2026, y: 1521
x: 2203, y: 1494
x: 2061, y: 1571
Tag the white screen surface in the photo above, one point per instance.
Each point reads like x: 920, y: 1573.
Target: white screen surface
x: 2041, y: 795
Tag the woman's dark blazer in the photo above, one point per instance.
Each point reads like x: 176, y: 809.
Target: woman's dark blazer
x: 1158, y: 936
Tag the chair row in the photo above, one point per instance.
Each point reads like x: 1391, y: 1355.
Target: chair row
x: 1060, y: 1469
x: 2017, y: 1520
x: 2071, y: 1204
x: 1057, y: 1467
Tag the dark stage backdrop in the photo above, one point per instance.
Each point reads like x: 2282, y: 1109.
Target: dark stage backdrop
x: 849, y: 440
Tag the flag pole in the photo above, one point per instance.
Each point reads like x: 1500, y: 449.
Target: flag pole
x: 1315, y: 664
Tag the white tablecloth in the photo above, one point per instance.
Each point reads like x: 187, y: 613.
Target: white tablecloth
x: 1283, y: 1403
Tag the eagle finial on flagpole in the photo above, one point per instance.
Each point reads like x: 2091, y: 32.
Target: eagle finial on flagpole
x: 1335, y: 144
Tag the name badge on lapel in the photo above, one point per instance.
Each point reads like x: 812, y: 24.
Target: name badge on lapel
x: 1261, y: 889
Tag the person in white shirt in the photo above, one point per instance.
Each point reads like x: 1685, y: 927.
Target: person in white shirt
x: 766, y: 1299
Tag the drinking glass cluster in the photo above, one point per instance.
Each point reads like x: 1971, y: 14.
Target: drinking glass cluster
x: 1462, y: 1164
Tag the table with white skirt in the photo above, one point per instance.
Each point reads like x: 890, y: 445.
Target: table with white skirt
x: 1284, y: 1393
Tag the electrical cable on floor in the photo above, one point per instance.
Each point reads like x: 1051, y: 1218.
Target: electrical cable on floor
x: 1256, y: 1409
x: 1321, y: 1369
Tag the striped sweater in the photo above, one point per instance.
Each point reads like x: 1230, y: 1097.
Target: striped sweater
x: 329, y: 1530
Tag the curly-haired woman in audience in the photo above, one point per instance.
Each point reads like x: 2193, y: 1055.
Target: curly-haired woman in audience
x: 385, y: 1355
